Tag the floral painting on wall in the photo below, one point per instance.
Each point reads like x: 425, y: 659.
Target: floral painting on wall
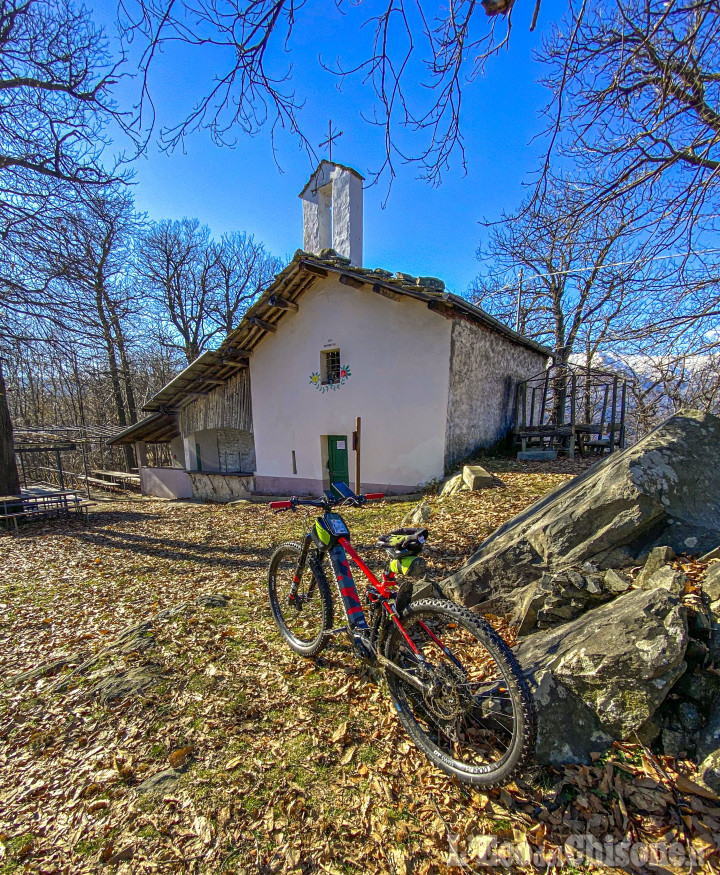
x: 316, y: 380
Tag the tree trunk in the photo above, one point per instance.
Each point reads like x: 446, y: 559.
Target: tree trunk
x: 9, y: 480
x: 114, y: 373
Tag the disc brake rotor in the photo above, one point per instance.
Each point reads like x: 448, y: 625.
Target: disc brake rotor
x: 443, y: 699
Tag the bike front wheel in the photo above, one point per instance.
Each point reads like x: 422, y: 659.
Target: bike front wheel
x: 302, y: 608
x: 476, y: 718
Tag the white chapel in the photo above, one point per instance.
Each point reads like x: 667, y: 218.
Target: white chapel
x: 338, y: 370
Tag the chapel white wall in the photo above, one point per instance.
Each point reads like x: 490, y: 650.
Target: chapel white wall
x: 398, y: 353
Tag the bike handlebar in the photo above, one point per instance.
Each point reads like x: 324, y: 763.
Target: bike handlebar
x: 324, y: 503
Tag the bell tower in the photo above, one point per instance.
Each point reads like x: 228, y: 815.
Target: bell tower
x: 333, y: 211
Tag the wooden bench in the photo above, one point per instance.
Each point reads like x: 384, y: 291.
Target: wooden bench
x: 118, y: 478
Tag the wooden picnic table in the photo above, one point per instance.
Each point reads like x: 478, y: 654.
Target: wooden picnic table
x: 41, y: 501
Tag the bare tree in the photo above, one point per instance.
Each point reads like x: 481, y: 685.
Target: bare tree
x: 178, y: 265
x: 89, y: 256
x: 55, y: 98
x: 636, y: 105
x: 442, y: 48
x: 583, y: 282
x: 243, y: 269
x: 55, y: 95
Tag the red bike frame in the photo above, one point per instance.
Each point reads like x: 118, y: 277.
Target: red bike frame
x: 384, y: 593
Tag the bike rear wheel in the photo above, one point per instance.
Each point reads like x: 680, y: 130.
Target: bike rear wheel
x: 302, y: 610
x: 476, y: 720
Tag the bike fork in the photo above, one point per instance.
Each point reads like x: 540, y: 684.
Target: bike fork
x: 302, y: 561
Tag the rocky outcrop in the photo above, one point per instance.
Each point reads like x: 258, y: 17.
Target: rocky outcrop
x: 558, y: 598
x: 602, y: 677
x: 663, y: 490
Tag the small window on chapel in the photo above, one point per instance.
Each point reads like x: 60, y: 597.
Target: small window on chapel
x: 330, y: 366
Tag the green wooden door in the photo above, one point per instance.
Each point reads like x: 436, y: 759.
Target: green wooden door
x: 338, y: 458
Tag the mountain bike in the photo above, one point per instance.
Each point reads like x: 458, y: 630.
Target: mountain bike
x: 458, y: 690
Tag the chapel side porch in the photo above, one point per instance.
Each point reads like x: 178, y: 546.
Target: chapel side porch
x: 208, y: 465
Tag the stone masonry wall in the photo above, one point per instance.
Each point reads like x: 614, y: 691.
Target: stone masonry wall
x: 236, y: 450
x: 485, y: 368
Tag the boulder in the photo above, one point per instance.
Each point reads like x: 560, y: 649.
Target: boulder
x: 453, y: 485
x: 700, y: 687
x: 476, y: 477
x: 666, y: 578
x: 420, y: 514
x: 658, y: 558
x: 664, y: 490
x: 615, y: 583
x: 709, y: 772
x: 601, y: 677
x: 674, y: 742
x: 711, y: 582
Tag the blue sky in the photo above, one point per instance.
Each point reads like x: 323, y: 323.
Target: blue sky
x: 421, y: 230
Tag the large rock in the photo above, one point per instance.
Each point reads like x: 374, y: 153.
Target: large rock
x: 664, y: 490
x: 453, y: 485
x: 709, y: 772
x: 476, y: 477
x: 601, y: 677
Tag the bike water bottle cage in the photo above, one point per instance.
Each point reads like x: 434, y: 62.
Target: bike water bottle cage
x: 403, y: 542
x: 328, y: 529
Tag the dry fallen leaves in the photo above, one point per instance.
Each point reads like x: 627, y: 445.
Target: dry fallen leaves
x: 289, y: 766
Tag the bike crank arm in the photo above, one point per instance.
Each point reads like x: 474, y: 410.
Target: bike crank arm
x: 401, y: 673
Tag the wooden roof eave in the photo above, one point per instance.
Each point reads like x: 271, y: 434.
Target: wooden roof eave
x: 156, y: 428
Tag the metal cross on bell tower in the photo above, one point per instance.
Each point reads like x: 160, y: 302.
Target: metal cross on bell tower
x: 332, y: 136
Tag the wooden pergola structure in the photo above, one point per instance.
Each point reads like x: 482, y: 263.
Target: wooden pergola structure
x: 568, y: 408
x: 53, y: 441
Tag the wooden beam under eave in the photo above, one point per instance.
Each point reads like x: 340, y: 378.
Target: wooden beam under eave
x: 235, y: 351
x: 443, y: 309
x: 281, y: 303
x: 386, y: 293
x: 239, y: 365
x: 213, y: 381
x: 311, y: 268
x: 262, y: 323
x: 347, y: 280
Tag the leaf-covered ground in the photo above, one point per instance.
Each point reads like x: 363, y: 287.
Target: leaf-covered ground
x: 286, y: 765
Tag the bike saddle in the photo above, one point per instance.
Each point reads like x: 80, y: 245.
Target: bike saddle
x: 403, y: 542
